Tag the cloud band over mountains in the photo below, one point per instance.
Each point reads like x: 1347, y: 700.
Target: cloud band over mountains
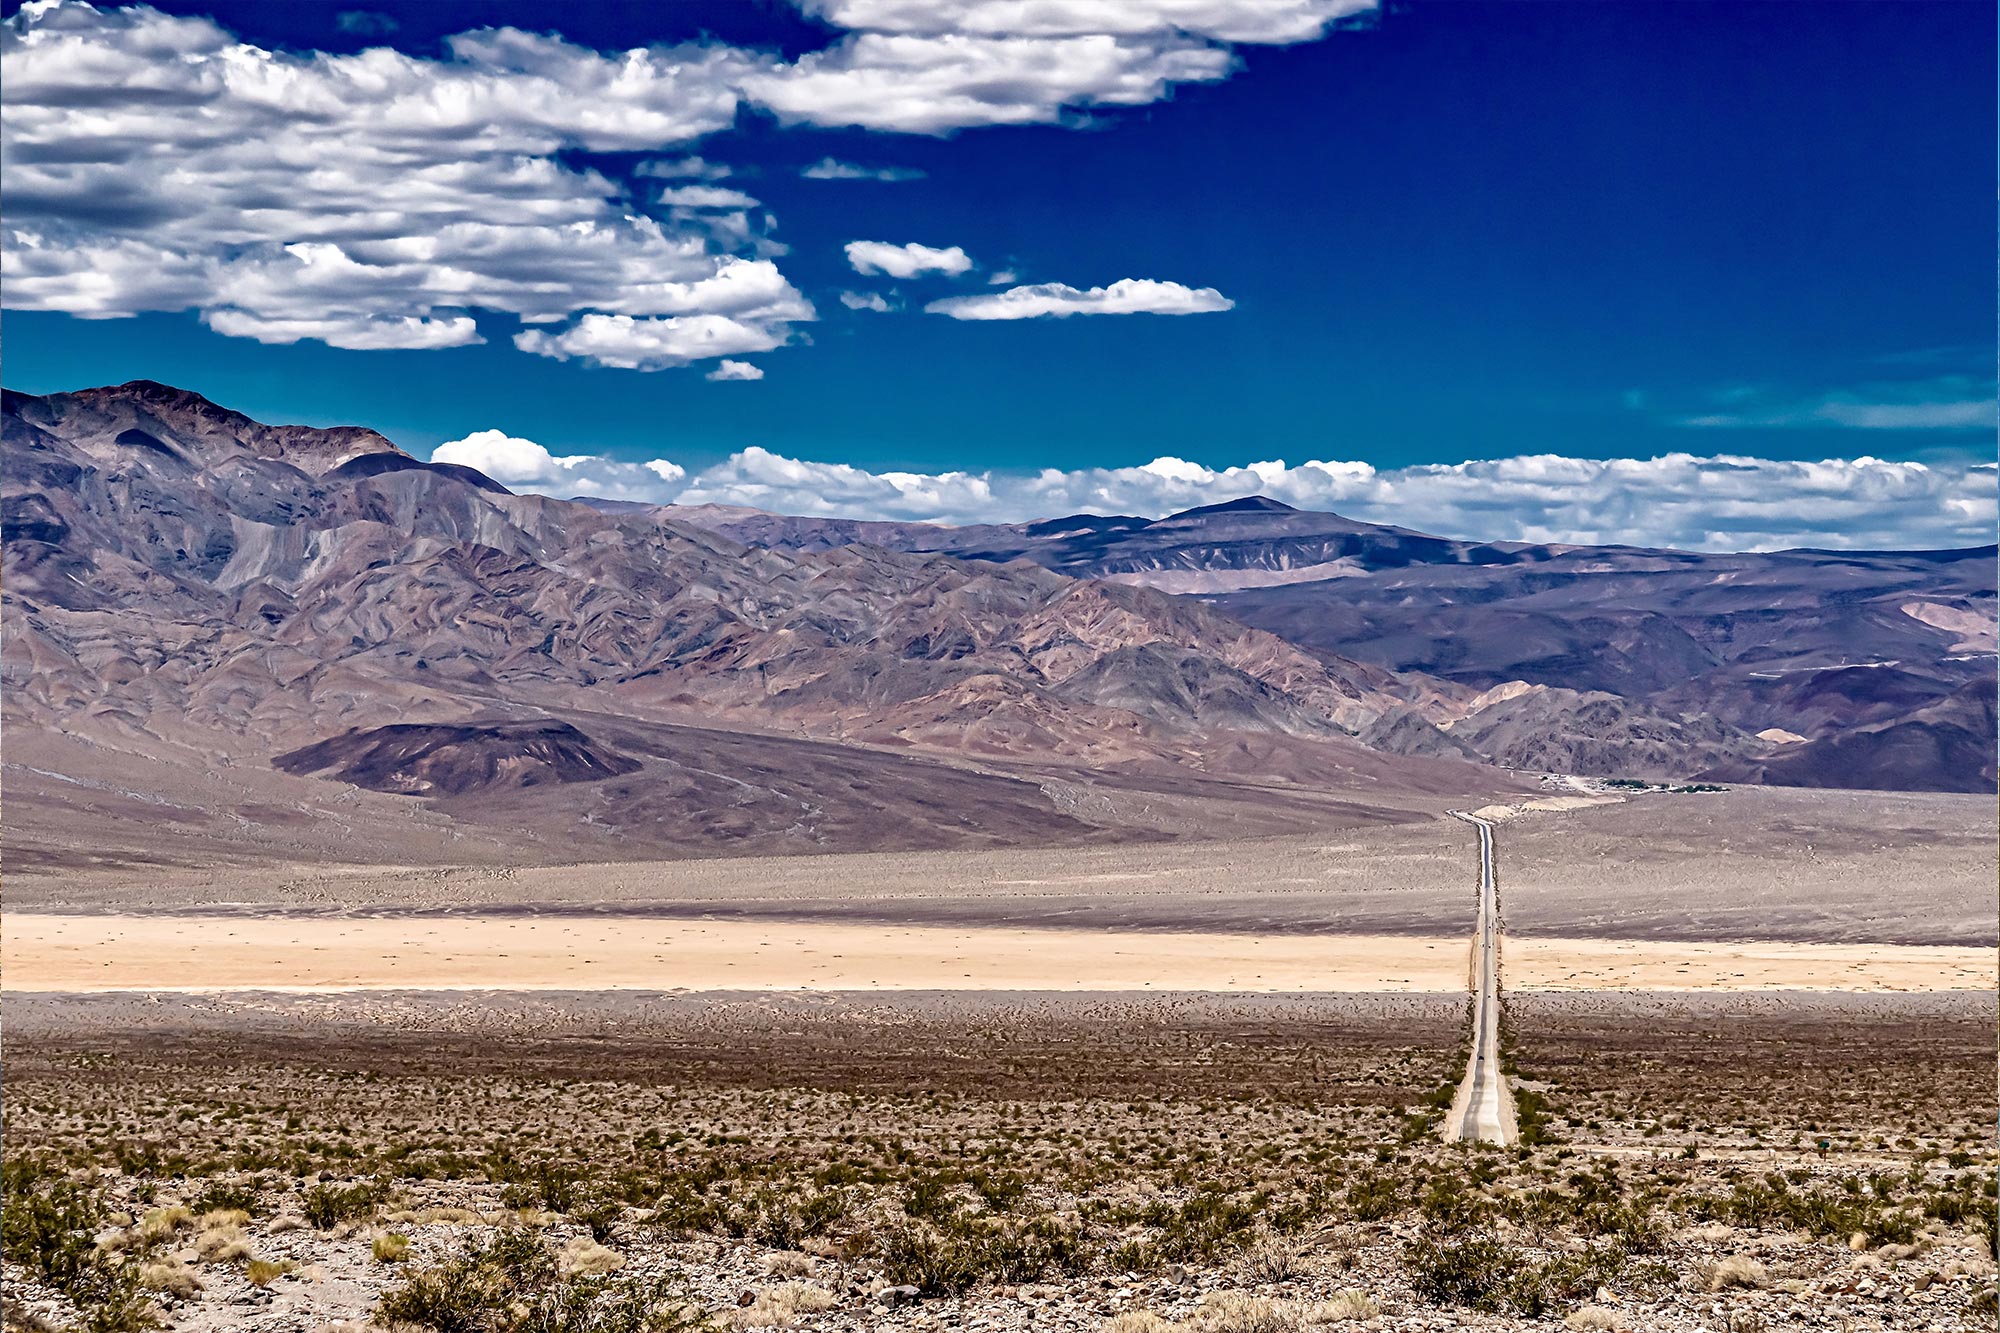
x: 1714, y: 503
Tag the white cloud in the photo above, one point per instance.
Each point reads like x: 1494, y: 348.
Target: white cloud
x: 1714, y: 503
x: 1005, y: 277
x: 625, y: 343
x: 735, y: 370
x: 382, y: 199
x: 1280, y: 21
x: 905, y: 261
x: 828, y: 169
x: 682, y: 168
x: 705, y: 196
x: 866, y: 301
x: 1945, y: 402
x: 366, y: 200
x: 1131, y: 296
x: 525, y: 465
x: 937, y: 84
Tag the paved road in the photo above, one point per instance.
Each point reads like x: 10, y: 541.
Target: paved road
x: 1484, y: 1109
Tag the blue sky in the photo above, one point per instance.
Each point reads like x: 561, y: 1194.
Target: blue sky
x: 1439, y: 233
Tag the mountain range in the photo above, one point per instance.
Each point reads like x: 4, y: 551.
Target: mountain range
x: 232, y: 638
x: 1870, y: 669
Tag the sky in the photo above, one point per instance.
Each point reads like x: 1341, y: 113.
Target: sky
x: 1716, y: 275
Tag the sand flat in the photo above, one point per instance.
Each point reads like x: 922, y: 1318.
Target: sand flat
x: 83, y: 953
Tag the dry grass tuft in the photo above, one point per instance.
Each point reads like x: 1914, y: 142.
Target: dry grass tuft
x: 173, y: 1279
x: 1240, y: 1312
x: 789, y: 1263
x: 418, y: 1217
x: 1594, y: 1319
x: 161, y: 1223
x: 1272, y: 1259
x: 1738, y: 1270
x: 584, y: 1257
x: 780, y: 1306
x: 263, y: 1272
x: 390, y: 1248
x: 1138, y: 1321
x: 1348, y: 1304
x: 222, y: 1244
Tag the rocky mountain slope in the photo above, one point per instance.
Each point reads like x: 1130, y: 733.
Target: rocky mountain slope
x: 1869, y: 669
x: 215, y: 593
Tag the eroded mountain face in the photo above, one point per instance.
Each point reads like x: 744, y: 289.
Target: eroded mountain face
x: 1871, y: 669
x: 191, y: 595
x: 182, y: 579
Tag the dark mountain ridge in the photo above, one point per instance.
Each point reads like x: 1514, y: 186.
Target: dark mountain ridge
x: 211, y: 592
x: 1752, y: 642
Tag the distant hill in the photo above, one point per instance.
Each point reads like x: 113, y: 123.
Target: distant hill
x: 1701, y: 649
x: 200, y: 591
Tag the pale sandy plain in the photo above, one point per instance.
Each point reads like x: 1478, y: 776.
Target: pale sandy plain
x: 216, y: 953
x: 1750, y: 889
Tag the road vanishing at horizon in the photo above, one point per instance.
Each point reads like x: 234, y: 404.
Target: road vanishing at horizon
x: 1483, y: 1111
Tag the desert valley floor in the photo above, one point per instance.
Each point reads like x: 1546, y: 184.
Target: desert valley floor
x: 1173, y: 1085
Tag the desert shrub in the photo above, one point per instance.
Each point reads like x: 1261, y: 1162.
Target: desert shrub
x: 1470, y: 1270
x: 965, y: 1251
x: 1478, y: 1271
x: 511, y: 1283
x: 1447, y: 1202
x: 48, y: 1225
x: 556, y: 1187
x: 222, y: 1195
x: 1531, y: 1117
x: 390, y: 1248
x: 327, y: 1206
x: 1272, y: 1259
x: 1371, y: 1198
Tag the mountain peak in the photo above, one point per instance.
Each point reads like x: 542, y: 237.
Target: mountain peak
x: 1249, y: 504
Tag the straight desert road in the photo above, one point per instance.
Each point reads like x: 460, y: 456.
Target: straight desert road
x: 1484, y: 1109
x: 188, y: 952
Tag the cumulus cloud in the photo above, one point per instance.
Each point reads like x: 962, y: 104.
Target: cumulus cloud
x: 626, y: 343
x: 938, y: 84
x: 866, y: 301
x: 1274, y: 21
x: 905, y: 261
x: 705, y: 196
x: 379, y: 199
x: 735, y: 370
x: 682, y: 168
x: 1945, y: 402
x: 1716, y: 503
x: 525, y: 465
x: 366, y: 200
x: 827, y: 169
x: 1058, y: 300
